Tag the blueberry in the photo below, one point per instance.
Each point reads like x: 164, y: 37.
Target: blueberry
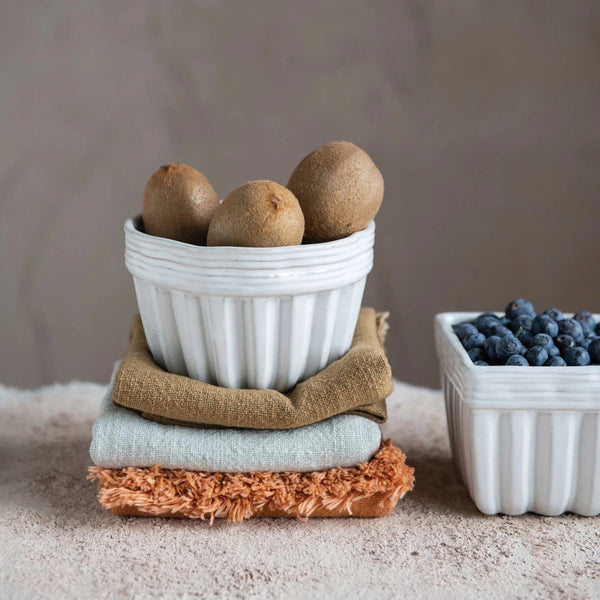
x: 481, y: 363
x: 525, y: 337
x: 588, y: 340
x: 543, y: 340
x: 520, y: 306
x: 544, y: 324
x: 592, y: 337
x: 552, y: 351
x: 516, y: 360
x: 505, y: 321
x: 483, y: 317
x: 462, y: 330
x: 537, y: 356
x: 476, y: 354
x: 594, y: 351
x: 554, y: 313
x: 586, y: 320
x: 473, y: 340
x: 507, y: 346
x: 484, y: 324
x: 564, y: 341
x: 498, y: 329
x: 523, y: 321
x: 576, y: 357
x: 489, y: 347
x: 571, y: 327
x: 597, y: 330
x: 555, y: 361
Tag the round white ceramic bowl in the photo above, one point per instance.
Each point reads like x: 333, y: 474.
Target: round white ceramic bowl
x: 248, y: 317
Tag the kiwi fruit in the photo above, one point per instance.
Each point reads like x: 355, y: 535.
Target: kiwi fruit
x: 258, y: 214
x: 339, y: 189
x: 179, y: 203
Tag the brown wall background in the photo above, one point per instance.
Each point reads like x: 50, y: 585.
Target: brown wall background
x: 482, y: 116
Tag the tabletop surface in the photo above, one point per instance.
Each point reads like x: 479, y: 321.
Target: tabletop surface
x: 59, y: 543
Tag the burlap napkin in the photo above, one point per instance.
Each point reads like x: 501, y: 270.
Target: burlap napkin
x: 370, y: 489
x: 357, y: 383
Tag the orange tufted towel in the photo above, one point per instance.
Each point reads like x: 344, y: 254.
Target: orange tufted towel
x: 370, y: 489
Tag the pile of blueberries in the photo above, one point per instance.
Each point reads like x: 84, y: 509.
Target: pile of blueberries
x: 523, y: 338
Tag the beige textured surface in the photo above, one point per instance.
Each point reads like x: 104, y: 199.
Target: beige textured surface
x: 58, y: 543
x: 482, y: 116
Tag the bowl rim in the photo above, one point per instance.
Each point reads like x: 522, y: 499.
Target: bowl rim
x: 446, y: 320
x: 133, y: 226
x: 511, y: 388
x: 241, y: 271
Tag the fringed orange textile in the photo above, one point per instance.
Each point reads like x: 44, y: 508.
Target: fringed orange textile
x: 371, y: 489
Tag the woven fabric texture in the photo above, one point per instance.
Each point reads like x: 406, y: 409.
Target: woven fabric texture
x: 123, y: 438
x: 356, y: 384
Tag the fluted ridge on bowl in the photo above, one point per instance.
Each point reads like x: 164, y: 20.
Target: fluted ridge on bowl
x: 242, y: 342
x: 514, y: 462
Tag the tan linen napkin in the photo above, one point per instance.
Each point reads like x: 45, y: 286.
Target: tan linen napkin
x: 370, y: 489
x: 357, y: 383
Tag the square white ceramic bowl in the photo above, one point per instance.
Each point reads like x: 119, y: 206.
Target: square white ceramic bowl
x: 248, y: 317
x: 523, y: 438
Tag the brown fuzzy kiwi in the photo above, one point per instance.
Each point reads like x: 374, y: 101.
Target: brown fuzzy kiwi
x: 339, y: 189
x: 258, y: 214
x: 179, y: 203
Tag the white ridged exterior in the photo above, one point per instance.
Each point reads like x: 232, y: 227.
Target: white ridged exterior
x: 248, y: 317
x: 523, y: 438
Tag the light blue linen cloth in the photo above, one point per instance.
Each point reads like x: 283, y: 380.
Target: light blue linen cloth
x: 123, y: 438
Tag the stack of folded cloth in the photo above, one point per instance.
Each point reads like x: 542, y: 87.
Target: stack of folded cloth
x: 167, y: 445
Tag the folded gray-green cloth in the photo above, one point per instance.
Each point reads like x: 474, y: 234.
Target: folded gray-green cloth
x: 123, y: 438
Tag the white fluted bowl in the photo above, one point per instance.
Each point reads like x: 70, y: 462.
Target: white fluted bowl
x: 524, y: 438
x: 248, y: 317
